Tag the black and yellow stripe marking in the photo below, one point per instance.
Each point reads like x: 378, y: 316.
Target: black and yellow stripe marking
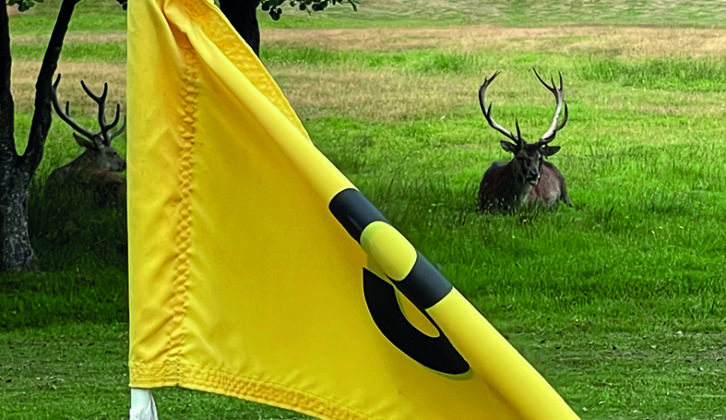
x: 410, y: 273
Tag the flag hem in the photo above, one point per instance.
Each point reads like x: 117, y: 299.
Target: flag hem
x: 208, y: 380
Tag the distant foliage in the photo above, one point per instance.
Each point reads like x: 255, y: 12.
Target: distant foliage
x: 274, y: 9
x: 23, y: 5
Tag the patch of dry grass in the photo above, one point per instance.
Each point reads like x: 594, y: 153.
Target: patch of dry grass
x: 611, y: 41
x: 380, y: 95
x: 25, y: 73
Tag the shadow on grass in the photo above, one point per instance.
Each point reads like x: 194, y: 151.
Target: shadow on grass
x: 82, y: 250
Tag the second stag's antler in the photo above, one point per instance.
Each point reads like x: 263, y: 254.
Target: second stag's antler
x: 549, y: 135
x: 85, y: 137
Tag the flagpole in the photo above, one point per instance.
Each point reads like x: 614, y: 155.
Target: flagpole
x: 142, y: 405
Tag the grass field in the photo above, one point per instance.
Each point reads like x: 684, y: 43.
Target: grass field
x: 619, y: 302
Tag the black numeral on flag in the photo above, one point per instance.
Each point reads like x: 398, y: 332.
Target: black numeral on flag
x: 435, y: 353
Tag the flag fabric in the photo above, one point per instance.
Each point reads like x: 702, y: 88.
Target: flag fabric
x: 257, y: 270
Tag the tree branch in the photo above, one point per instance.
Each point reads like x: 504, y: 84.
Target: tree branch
x: 7, y: 106
x: 42, y: 116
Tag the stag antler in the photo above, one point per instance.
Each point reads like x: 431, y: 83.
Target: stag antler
x: 549, y: 135
x: 90, y: 139
x: 488, y: 112
x: 101, y: 101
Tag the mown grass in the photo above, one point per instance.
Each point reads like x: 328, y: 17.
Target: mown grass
x: 530, y: 13
x: 96, y: 16
x: 79, y: 52
x: 619, y: 302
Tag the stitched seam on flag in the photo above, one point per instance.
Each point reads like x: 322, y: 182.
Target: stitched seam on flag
x: 228, y: 40
x: 182, y: 238
x: 210, y: 380
x: 143, y: 375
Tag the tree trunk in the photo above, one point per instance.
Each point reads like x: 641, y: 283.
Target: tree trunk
x: 17, y: 253
x: 242, y: 14
x: 16, y: 172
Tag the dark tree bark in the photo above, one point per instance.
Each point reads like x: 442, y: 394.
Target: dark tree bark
x: 17, y: 171
x: 242, y: 14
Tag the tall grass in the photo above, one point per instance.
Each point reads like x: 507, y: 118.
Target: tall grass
x: 704, y: 75
x: 423, y: 61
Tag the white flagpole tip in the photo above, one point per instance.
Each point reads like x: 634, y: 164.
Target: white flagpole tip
x: 142, y: 405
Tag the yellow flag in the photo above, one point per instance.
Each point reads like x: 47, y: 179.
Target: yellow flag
x: 257, y: 270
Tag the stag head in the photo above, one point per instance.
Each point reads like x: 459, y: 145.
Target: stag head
x: 98, y: 143
x: 528, y: 157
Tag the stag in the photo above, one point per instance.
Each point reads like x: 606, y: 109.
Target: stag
x: 95, y: 173
x: 528, y: 178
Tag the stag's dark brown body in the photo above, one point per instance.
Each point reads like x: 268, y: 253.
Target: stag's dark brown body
x: 527, y: 178
x: 501, y: 191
